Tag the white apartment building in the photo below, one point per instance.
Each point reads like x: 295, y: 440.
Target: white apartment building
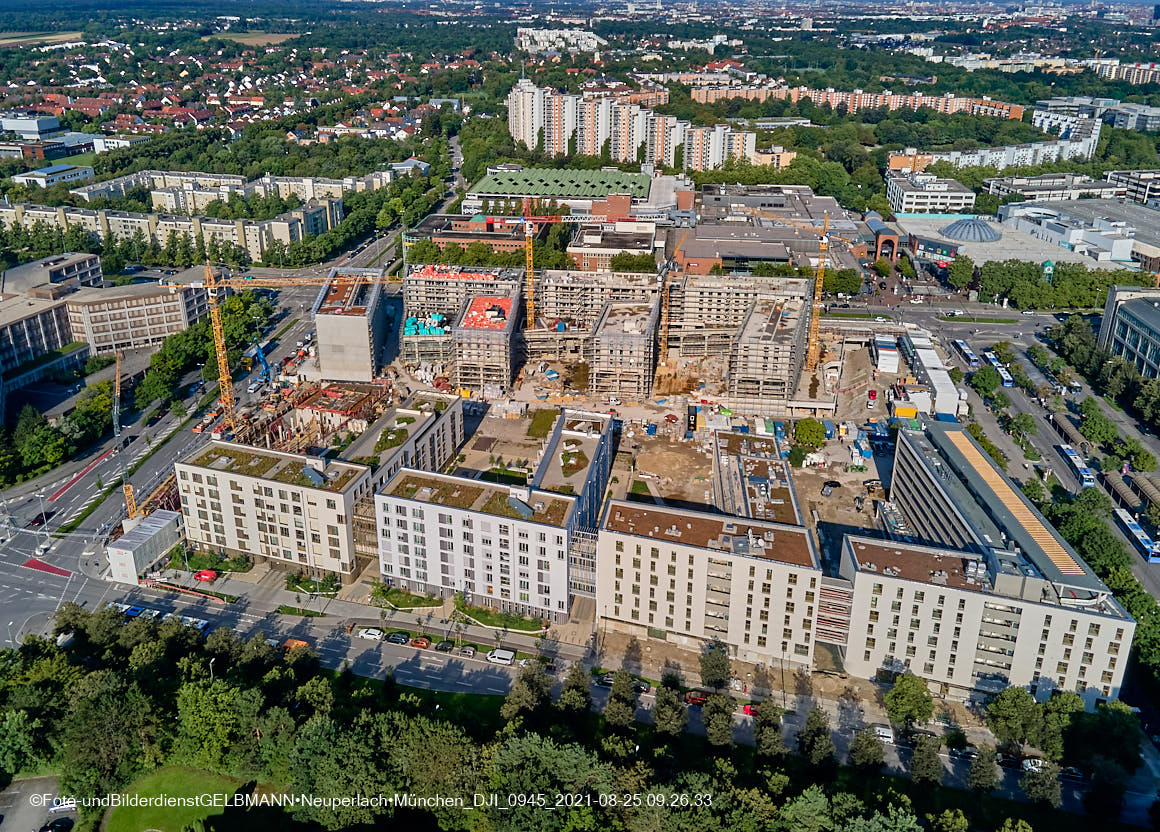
x: 754, y: 585
x: 526, y: 110
x: 499, y: 546
x: 968, y: 624
x: 924, y: 193
x: 285, y: 508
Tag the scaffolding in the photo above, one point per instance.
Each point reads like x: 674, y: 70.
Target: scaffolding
x: 623, y: 353
x: 487, y: 353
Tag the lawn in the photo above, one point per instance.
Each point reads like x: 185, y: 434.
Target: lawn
x: 195, y: 561
x: 404, y: 600
x: 542, y: 422
x: 496, y: 618
x: 639, y: 487
x: 504, y: 476
x: 171, y: 781
x: 286, y: 609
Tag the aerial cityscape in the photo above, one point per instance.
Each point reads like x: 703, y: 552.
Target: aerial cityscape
x: 638, y: 416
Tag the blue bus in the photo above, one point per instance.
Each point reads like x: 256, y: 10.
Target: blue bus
x: 1004, y: 376
x: 967, y: 354
x: 1131, y: 529
x: 1078, y: 467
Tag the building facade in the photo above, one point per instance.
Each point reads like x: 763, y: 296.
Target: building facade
x: 287, y: 509
x: 126, y: 317
x: 922, y: 193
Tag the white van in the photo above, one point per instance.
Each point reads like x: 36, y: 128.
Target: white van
x: 501, y: 656
x: 884, y: 733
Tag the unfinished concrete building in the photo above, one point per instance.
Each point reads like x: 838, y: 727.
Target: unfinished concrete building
x: 705, y: 311
x: 766, y: 356
x: 350, y: 319
x: 623, y: 353
x: 486, y: 340
x: 433, y: 295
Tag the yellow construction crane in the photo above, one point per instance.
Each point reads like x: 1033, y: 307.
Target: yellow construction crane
x: 225, y: 380
x: 814, y: 346
x: 130, y: 500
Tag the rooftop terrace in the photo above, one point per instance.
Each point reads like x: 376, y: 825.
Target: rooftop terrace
x: 461, y: 493
x: 274, y: 465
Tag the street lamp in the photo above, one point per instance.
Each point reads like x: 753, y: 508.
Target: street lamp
x: 44, y: 524
x: 211, y: 661
x: 10, y: 641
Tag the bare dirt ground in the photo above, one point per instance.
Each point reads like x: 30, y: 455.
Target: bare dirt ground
x: 676, y: 470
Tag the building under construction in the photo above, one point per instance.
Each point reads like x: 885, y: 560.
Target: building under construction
x: 433, y: 295
x: 351, y: 322
x: 706, y: 311
x: 488, y: 347
x: 767, y: 355
x: 622, y: 357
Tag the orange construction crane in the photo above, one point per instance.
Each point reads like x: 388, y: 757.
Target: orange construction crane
x: 130, y: 500
x: 665, y: 304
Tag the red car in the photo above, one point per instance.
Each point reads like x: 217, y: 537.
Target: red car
x: 207, y: 575
x: 873, y: 395
x: 421, y: 642
x: 695, y: 697
x: 671, y: 419
x: 750, y: 708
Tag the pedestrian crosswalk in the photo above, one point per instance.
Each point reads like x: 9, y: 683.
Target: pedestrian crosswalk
x: 77, y: 512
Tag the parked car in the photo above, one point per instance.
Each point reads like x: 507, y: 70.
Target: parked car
x: 371, y: 634
x: 467, y: 650
x: 421, y: 642
x: 604, y: 680
x: 1007, y: 761
x: 696, y: 698
x: 1032, y: 764
x: 133, y: 612
x: 399, y: 637
x: 445, y: 646
x: 641, y: 686
x: 750, y: 708
x: 58, y: 825
x: 207, y: 575
x: 1072, y: 773
x: 967, y: 753
x: 884, y: 732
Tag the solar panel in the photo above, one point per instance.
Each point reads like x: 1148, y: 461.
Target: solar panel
x: 1006, y: 495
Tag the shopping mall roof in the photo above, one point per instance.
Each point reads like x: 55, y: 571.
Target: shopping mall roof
x: 567, y: 182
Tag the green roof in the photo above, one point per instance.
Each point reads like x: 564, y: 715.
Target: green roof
x: 549, y: 182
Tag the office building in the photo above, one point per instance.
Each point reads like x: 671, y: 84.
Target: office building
x: 1130, y: 327
x: 623, y: 353
x: 983, y: 593
x: 350, y: 320
x: 501, y: 234
x: 1053, y: 186
x: 1140, y: 185
x: 29, y: 126
x: 1110, y: 222
x: 54, y: 175
x: 137, y: 315
x: 69, y: 271
x: 593, y: 247
x: 287, y: 509
x: 922, y: 193
x: 131, y: 554
x: 699, y: 577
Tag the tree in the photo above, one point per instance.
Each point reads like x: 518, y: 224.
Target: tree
x: 909, y: 701
x: 882, y: 267
x: 627, y: 262
x: 1042, y: 785
x: 925, y: 764
x: 767, y: 738
x: 1034, y: 490
x: 867, y: 751
x: 670, y: 714
x: 1023, y: 424
x: 1013, y: 717
x: 1015, y: 825
x: 18, y: 740
x: 717, y: 716
x: 575, y: 693
x: 810, y: 433
x: 985, y: 380
x: 797, y: 456
x: 951, y: 820
x: 814, y: 740
x: 716, y: 669
x: 529, y: 692
x: 620, y: 710
x: 961, y: 272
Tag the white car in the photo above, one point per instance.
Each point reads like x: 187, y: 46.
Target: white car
x: 371, y: 634
x: 1032, y: 764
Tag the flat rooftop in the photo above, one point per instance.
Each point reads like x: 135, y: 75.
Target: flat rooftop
x: 564, y: 467
x: 232, y: 458
x: 625, y: 319
x: 1041, y: 544
x: 476, y: 495
x: 437, y: 272
x: 712, y: 532
x: 488, y: 312
x: 1012, y: 244
x: 1144, y: 219
x: 346, y: 295
x: 567, y: 182
x: 765, y: 478
x: 619, y: 239
x: 381, y: 439
x: 341, y: 398
x: 771, y: 322
x: 925, y: 564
